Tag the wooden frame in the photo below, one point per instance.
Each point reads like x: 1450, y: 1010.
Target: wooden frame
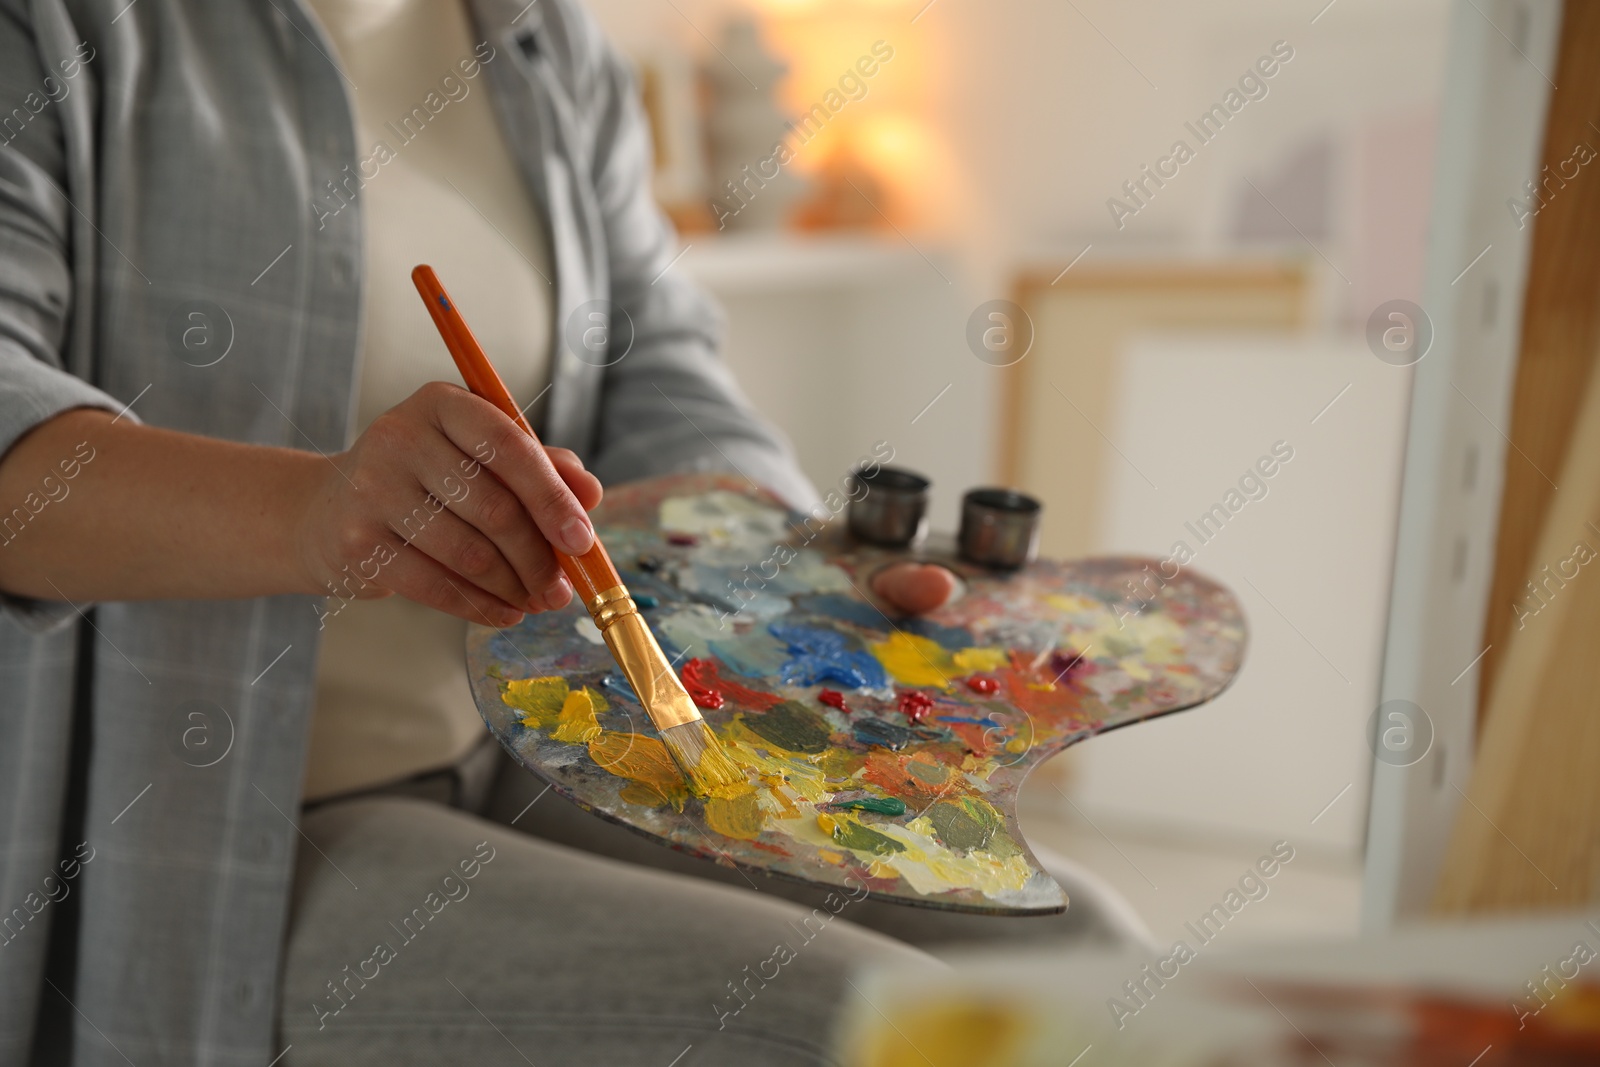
x: 1154, y: 296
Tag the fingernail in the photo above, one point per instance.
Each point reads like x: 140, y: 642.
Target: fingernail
x: 558, y: 594
x: 509, y: 617
x: 576, y: 537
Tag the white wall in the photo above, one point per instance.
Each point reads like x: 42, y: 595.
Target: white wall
x: 1050, y: 120
x: 846, y: 342
x: 1309, y: 562
x: 1043, y: 120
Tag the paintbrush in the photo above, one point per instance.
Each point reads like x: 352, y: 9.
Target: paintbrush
x: 596, y: 582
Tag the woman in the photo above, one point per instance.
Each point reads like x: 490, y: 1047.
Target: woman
x: 207, y: 215
x: 250, y: 813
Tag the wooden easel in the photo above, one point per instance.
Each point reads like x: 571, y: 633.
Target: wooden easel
x: 1529, y: 836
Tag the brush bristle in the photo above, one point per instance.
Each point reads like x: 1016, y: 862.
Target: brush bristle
x: 700, y: 757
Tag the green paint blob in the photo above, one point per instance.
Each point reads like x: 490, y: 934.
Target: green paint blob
x: 969, y: 823
x: 880, y: 805
x: 1121, y: 647
x: 792, y: 726
x: 858, y: 838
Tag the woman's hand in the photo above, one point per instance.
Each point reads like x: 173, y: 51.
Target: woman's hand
x: 445, y: 501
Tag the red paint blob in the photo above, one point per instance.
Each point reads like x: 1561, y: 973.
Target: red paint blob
x: 982, y: 683
x: 682, y: 539
x: 915, y: 706
x: 834, y: 699
x: 694, y: 680
x: 708, y: 689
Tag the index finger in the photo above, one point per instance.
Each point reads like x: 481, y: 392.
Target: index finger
x: 485, y: 433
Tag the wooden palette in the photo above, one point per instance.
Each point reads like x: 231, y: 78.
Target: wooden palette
x: 910, y: 789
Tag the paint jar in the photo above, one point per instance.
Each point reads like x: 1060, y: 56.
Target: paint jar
x: 999, y: 528
x: 893, y: 510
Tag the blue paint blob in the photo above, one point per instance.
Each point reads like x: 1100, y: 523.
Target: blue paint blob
x: 849, y: 609
x: 882, y: 734
x: 723, y: 589
x: 755, y: 654
x: 646, y: 601
x: 952, y: 638
x: 817, y: 655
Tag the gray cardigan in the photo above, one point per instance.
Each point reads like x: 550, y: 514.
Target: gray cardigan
x: 165, y: 168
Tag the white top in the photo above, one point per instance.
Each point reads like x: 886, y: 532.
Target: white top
x: 392, y: 696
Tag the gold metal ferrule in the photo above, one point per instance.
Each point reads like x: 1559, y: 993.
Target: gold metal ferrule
x: 609, y: 605
x: 643, y: 663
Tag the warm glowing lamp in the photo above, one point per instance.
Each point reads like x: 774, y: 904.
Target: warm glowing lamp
x: 872, y: 140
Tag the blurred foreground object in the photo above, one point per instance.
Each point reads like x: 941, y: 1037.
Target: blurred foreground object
x: 1489, y: 995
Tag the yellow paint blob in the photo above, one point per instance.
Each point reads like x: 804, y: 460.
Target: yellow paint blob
x: 973, y: 1030
x: 1153, y: 636
x: 646, y: 763
x: 539, y: 699
x: 1135, y: 669
x: 914, y: 660
x: 981, y: 659
x: 1072, y: 605
x: 1164, y: 642
x: 578, y: 724
x: 797, y: 777
x: 776, y: 799
x: 739, y: 817
x: 929, y: 867
x: 732, y: 790
x: 839, y: 762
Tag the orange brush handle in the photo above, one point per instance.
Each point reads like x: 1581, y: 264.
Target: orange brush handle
x: 590, y: 573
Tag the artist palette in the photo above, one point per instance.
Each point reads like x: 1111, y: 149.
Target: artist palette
x: 877, y: 750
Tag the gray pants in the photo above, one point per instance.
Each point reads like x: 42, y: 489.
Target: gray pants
x: 423, y: 933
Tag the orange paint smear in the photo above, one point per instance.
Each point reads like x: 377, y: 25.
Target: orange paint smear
x: 918, y: 779
x: 978, y: 739
x: 1049, y: 705
x: 1021, y: 662
x: 703, y: 679
x: 950, y: 753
